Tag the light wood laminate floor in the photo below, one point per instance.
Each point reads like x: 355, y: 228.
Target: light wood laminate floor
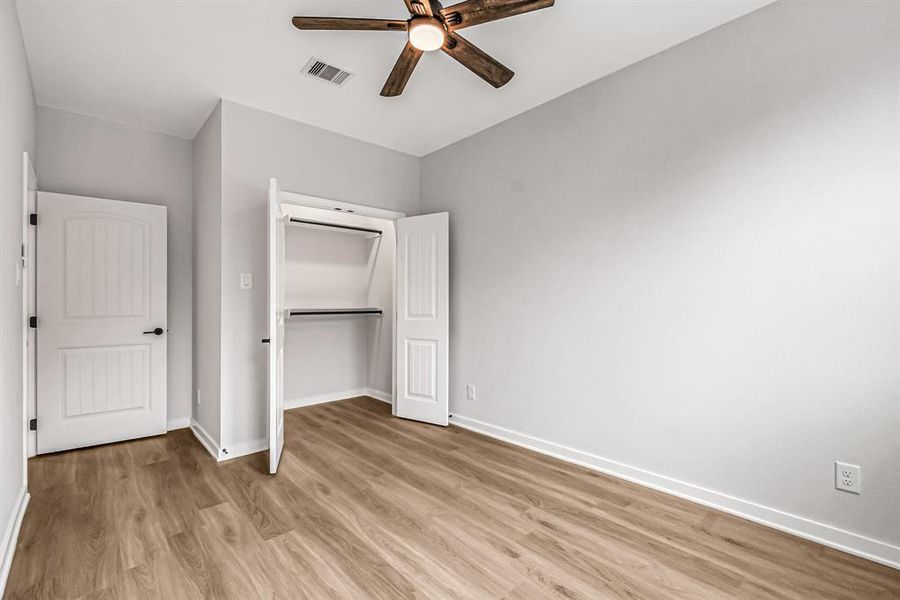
x: 368, y: 506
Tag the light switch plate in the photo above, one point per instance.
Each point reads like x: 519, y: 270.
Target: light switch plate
x: 246, y: 281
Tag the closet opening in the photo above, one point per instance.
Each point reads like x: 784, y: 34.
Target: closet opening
x: 338, y: 303
x: 358, y: 303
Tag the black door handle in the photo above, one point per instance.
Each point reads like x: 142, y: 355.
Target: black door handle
x: 157, y: 331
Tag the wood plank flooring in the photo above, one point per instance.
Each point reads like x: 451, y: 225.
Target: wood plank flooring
x: 368, y: 506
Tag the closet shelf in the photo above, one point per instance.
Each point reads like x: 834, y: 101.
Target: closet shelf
x: 359, y: 310
x: 355, y: 229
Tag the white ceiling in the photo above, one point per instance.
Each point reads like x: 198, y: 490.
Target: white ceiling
x: 162, y: 65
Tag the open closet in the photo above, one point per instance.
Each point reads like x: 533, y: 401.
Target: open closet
x: 357, y: 304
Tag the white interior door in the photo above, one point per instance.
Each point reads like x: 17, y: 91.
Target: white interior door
x: 276, y: 328
x: 422, y: 332
x: 101, y: 321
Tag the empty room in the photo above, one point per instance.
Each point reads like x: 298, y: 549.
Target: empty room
x: 493, y: 299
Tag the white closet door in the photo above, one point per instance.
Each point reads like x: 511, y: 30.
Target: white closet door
x: 276, y: 328
x: 101, y: 317
x: 422, y: 345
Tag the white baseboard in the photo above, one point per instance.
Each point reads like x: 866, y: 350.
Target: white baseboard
x: 379, y: 395
x: 225, y: 453
x: 205, y: 439
x: 335, y: 396
x: 290, y: 403
x: 852, y: 543
x: 243, y: 449
x: 11, y: 535
x: 181, y: 423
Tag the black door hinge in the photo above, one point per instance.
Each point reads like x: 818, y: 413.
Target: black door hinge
x: 32, y: 322
x: 32, y: 425
x: 32, y: 219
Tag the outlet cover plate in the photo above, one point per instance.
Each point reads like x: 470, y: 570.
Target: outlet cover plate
x: 847, y: 477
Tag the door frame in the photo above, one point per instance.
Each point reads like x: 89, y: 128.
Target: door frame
x: 29, y: 291
x: 363, y: 210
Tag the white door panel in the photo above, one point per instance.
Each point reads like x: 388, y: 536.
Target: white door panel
x: 276, y: 328
x: 422, y: 347
x: 101, y: 273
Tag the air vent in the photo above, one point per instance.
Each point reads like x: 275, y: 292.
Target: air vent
x: 321, y: 70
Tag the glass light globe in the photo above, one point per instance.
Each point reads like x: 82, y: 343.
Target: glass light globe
x: 426, y: 35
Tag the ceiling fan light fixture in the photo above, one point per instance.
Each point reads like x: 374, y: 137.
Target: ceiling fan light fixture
x: 432, y: 27
x: 426, y: 34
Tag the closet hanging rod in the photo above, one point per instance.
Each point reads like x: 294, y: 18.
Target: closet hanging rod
x: 299, y: 312
x: 336, y: 226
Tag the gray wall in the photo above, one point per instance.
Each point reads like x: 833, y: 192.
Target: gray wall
x: 85, y: 156
x: 207, y: 179
x: 17, y: 134
x: 256, y: 146
x: 691, y: 266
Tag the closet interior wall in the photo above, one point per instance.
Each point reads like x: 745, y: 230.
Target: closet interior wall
x: 335, y: 356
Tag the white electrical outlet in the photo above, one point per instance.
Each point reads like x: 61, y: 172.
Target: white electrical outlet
x: 199, y: 402
x: 470, y: 391
x: 848, y: 478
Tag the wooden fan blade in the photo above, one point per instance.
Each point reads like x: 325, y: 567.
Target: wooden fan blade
x: 348, y: 24
x: 475, y: 12
x: 474, y: 59
x: 403, y: 68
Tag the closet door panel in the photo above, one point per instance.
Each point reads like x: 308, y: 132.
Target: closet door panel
x: 422, y: 345
x: 276, y: 328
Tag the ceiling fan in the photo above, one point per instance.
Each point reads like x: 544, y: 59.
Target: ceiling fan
x: 431, y: 26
